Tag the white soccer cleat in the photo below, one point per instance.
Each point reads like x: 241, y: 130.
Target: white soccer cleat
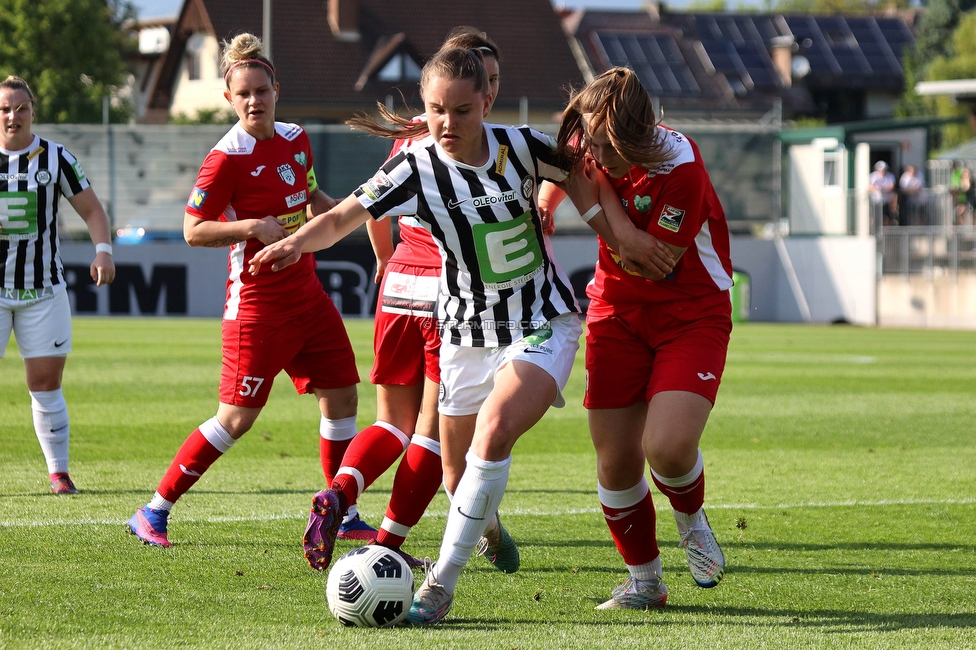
x: 431, y: 602
x: 638, y: 594
x: 705, y: 558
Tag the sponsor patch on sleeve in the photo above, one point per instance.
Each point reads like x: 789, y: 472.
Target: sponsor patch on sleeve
x: 377, y: 186
x: 197, y: 197
x: 671, y: 218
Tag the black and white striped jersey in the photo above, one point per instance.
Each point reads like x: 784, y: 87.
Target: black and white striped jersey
x: 499, y: 279
x: 31, y: 184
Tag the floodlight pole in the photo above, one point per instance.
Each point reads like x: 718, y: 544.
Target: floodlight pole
x: 266, y: 35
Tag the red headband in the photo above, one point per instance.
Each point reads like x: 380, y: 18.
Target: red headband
x: 242, y: 61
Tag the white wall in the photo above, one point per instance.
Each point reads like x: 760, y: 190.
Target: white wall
x: 835, y: 276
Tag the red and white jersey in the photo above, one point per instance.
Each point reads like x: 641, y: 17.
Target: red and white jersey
x: 417, y: 246
x: 246, y: 178
x: 678, y: 205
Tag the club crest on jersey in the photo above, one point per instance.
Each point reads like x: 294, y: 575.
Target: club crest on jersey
x: 642, y: 203
x: 43, y: 177
x: 671, y: 218
x: 287, y: 173
x: 528, y: 184
x: 197, y: 197
x: 301, y: 158
x: 377, y: 186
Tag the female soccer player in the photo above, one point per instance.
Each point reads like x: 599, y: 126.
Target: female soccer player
x: 406, y: 345
x: 509, y: 320
x: 255, y: 187
x: 655, y: 349
x: 33, y: 300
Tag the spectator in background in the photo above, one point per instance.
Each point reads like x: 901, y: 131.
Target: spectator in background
x: 33, y: 300
x: 965, y: 197
x: 881, y: 188
x: 911, y: 197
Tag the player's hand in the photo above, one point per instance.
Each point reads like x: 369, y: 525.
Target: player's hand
x: 278, y: 255
x: 102, y: 269
x: 380, y: 270
x: 269, y: 230
x: 548, y: 223
x: 585, y: 188
x: 644, y: 253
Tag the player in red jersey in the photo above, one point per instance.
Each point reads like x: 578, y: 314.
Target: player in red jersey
x: 657, y: 335
x: 406, y: 345
x: 256, y: 187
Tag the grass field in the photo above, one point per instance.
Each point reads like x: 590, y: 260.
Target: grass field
x: 841, y: 467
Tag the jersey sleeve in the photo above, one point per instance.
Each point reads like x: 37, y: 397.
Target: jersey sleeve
x: 214, y: 188
x: 388, y: 192
x: 543, y: 150
x: 679, y: 214
x: 72, y: 176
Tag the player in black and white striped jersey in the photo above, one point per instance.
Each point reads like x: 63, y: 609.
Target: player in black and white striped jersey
x: 34, y: 174
x: 509, y: 319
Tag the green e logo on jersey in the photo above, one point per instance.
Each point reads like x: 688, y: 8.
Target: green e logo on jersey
x: 507, y: 251
x: 18, y: 213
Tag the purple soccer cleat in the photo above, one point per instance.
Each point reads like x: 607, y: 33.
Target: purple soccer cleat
x: 323, y: 526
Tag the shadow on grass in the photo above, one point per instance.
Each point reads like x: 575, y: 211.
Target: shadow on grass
x: 824, y: 620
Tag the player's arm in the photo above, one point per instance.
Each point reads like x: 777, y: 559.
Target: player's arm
x: 381, y: 238
x: 322, y: 232
x: 653, y: 258
x: 319, y: 203
x: 87, y: 205
x: 218, y: 234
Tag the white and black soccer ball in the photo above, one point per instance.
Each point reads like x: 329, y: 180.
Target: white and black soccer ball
x: 370, y: 586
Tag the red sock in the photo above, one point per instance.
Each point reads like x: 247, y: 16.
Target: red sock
x: 371, y: 453
x: 195, y: 456
x: 414, y: 487
x: 631, y: 520
x: 330, y: 453
x: 687, y: 498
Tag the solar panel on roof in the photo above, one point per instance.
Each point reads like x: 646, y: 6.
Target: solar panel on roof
x: 655, y: 58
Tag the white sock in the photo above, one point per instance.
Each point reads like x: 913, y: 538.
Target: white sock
x: 476, y: 499
x: 648, y: 572
x: 51, y: 426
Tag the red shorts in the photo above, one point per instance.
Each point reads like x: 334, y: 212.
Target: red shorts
x: 313, y: 348
x: 406, y: 340
x: 676, y: 345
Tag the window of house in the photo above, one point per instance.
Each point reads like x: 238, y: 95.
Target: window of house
x: 401, y: 67
x: 831, y: 169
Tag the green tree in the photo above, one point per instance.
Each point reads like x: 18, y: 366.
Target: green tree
x: 960, y: 64
x: 838, y: 7
x: 71, y: 52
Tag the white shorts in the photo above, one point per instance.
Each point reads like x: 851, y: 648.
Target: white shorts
x: 42, y: 327
x: 468, y: 374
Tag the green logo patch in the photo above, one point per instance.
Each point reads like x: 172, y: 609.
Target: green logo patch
x: 642, y: 203
x: 19, y: 212
x: 508, y: 252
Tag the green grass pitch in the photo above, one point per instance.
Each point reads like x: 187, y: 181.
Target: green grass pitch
x: 841, y: 467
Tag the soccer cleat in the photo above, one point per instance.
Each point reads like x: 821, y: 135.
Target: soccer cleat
x: 431, y: 602
x: 637, y: 594
x: 412, y: 562
x: 356, y: 528
x: 705, y: 558
x: 149, y: 525
x: 323, y: 527
x: 500, y: 549
x: 61, y: 484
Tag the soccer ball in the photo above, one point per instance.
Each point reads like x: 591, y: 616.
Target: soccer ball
x: 370, y: 586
